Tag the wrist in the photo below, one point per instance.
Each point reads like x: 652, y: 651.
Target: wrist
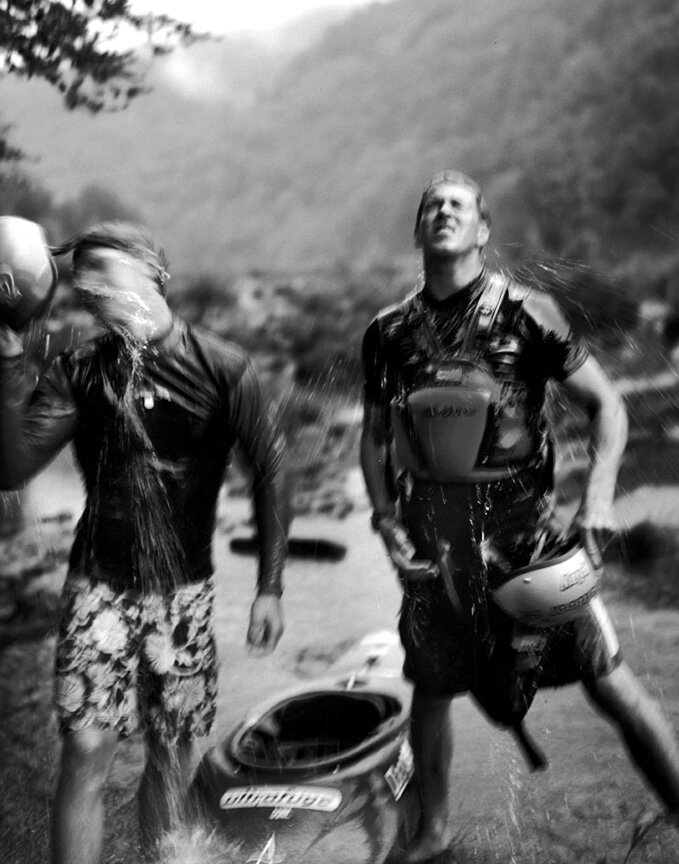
x: 380, y: 515
x: 276, y: 593
x: 598, y: 497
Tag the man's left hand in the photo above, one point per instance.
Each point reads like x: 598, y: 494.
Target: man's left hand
x: 266, y: 625
x: 596, y: 524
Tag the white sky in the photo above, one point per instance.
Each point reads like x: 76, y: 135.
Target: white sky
x: 224, y: 16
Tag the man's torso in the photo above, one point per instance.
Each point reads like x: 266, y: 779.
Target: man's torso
x: 522, y: 350
x: 153, y: 441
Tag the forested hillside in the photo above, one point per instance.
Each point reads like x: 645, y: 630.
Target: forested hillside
x: 566, y: 110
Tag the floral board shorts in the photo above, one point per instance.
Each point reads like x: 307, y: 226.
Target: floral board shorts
x: 127, y: 660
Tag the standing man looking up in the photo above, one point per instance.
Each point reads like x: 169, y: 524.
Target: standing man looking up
x: 154, y: 408
x: 484, y: 495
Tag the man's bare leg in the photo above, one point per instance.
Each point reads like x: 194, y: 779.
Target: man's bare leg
x: 78, y: 815
x: 646, y: 731
x: 432, y: 740
x: 163, y: 788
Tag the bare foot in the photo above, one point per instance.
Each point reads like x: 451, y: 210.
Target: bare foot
x: 428, y: 846
x: 655, y: 838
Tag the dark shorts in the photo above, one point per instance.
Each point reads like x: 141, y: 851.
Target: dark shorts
x: 492, y: 528
x: 127, y: 661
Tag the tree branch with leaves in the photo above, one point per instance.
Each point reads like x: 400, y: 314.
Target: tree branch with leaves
x: 82, y: 49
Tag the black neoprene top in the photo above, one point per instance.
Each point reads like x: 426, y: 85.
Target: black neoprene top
x: 194, y: 396
x: 529, y: 343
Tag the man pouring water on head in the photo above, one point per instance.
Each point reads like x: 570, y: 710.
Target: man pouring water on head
x: 458, y: 463
x: 154, y: 408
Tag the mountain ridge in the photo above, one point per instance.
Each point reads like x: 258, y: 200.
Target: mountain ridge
x: 322, y: 158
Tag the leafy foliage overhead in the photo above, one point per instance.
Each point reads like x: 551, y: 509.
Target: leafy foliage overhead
x: 73, y: 46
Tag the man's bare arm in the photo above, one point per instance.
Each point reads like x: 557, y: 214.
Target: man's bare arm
x: 374, y: 462
x: 591, y: 387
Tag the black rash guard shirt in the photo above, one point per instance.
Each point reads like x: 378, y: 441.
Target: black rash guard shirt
x: 197, y: 396
x: 529, y: 343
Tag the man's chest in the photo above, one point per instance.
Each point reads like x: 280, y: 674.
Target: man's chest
x: 171, y: 405
x: 414, y: 357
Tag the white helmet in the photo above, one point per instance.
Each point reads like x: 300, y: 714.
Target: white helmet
x: 27, y: 271
x: 552, y: 591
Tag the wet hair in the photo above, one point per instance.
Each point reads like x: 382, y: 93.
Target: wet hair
x: 128, y: 237
x: 459, y: 179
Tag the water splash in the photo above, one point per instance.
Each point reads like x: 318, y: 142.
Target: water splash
x: 197, y: 844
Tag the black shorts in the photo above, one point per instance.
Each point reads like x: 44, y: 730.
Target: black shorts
x: 492, y: 528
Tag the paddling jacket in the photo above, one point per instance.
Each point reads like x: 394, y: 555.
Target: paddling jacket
x: 528, y: 343
x: 152, y: 481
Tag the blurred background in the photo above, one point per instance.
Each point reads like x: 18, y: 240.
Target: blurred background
x: 278, y: 151
x: 281, y: 161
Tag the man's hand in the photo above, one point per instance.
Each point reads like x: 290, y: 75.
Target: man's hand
x: 266, y: 625
x: 596, y: 522
x: 596, y: 516
x: 401, y: 551
x: 11, y: 343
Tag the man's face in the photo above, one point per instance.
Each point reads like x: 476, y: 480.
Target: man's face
x: 451, y: 225
x: 115, y: 287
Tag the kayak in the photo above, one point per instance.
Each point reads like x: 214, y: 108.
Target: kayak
x: 321, y: 774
